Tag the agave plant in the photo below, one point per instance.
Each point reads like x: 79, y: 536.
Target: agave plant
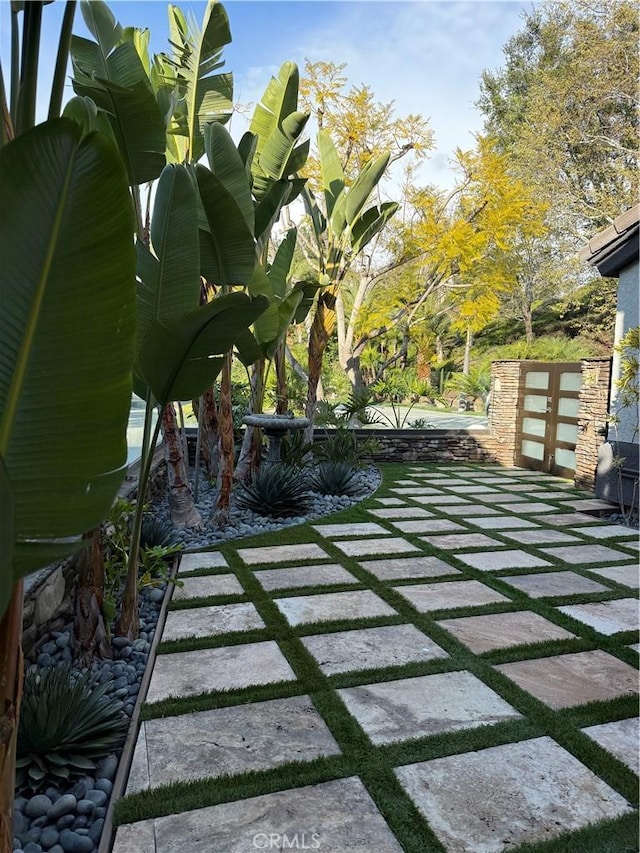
x: 65, y: 724
x: 157, y: 531
x: 336, y: 478
x: 276, y: 490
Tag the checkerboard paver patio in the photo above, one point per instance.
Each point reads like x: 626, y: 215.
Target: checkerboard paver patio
x: 397, y: 673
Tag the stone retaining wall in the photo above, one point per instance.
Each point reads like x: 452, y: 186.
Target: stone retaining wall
x: 592, y: 419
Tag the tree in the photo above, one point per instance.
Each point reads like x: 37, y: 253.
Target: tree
x: 67, y: 335
x: 565, y: 108
x: 453, y: 242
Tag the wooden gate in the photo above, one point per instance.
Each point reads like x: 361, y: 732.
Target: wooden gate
x: 548, y: 401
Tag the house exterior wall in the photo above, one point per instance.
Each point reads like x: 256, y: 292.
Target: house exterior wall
x: 627, y: 317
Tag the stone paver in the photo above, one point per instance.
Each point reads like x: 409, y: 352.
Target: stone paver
x: 328, y: 606
x: 548, y: 495
x: 566, y: 519
x: 474, y: 489
x: 391, y: 711
x: 577, y: 554
x: 528, y: 508
x: 500, y: 497
x: 621, y: 738
x: 211, y: 621
x: 226, y: 668
x: 550, y: 584
x: 502, y: 522
x: 450, y: 595
x: 334, y: 816
x: 360, y: 528
x: 282, y: 553
x: 493, y: 561
x: 411, y: 491
x: 564, y: 681
x: 207, y: 585
x: 371, y: 648
x: 470, y: 509
x: 322, y: 574
x: 538, y: 791
x: 430, y: 525
x: 627, y: 575
x: 607, y: 531
x: 539, y: 536
x: 201, y: 560
x: 393, y: 569
x: 607, y: 617
x: 590, y: 504
x: 390, y: 501
x: 438, y: 500
x: 503, y: 630
x: 462, y: 540
x: 364, y: 547
x: 402, y: 512
x: 232, y: 740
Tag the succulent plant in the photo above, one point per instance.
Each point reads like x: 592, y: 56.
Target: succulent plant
x: 276, y: 490
x: 156, y: 531
x: 336, y: 478
x: 65, y: 724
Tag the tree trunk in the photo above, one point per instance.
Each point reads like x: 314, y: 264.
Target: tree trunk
x: 321, y: 328
x: 89, y: 638
x: 227, y: 447
x: 282, y: 394
x: 11, y: 674
x: 466, y: 364
x: 251, y: 450
x: 183, y: 509
x: 527, y: 316
x: 209, y: 433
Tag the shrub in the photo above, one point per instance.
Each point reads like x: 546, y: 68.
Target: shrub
x: 65, y: 724
x: 342, y: 445
x: 276, y: 490
x: 336, y: 478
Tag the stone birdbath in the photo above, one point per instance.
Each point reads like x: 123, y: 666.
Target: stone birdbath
x: 275, y: 427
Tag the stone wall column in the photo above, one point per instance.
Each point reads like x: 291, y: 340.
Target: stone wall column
x: 592, y: 419
x: 503, y: 408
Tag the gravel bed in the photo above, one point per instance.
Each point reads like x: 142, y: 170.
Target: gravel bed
x: 70, y: 819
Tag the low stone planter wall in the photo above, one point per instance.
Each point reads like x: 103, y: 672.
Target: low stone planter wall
x: 427, y: 445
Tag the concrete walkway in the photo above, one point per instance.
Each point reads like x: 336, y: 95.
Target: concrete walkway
x: 414, y: 674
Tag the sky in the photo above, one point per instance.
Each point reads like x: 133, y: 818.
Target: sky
x: 426, y: 57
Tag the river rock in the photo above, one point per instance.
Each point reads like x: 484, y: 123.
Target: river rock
x: 65, y: 804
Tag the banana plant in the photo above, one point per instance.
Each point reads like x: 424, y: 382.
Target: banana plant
x: 177, y: 339
x: 67, y: 333
x: 340, y: 233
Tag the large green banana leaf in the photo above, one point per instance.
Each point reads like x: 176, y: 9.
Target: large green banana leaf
x: 197, y: 53
x: 111, y: 73
x: 351, y: 201
x: 373, y: 220
x: 227, y: 246
x: 170, y: 276
x: 333, y: 180
x: 279, y: 100
x: 178, y: 356
x: 67, y: 326
x: 226, y: 164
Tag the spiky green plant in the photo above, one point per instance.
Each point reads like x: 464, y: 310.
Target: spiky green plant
x: 336, y: 478
x: 65, y: 725
x: 276, y: 490
x: 157, y: 531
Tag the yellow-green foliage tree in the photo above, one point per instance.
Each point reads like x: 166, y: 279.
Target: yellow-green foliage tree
x: 458, y: 242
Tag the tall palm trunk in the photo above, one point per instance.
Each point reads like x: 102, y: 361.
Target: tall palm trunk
x: 321, y: 329
x: 89, y: 632
x: 227, y: 448
x: 183, y: 510
x: 11, y: 674
x: 251, y: 450
x: 208, y: 426
x: 282, y: 394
